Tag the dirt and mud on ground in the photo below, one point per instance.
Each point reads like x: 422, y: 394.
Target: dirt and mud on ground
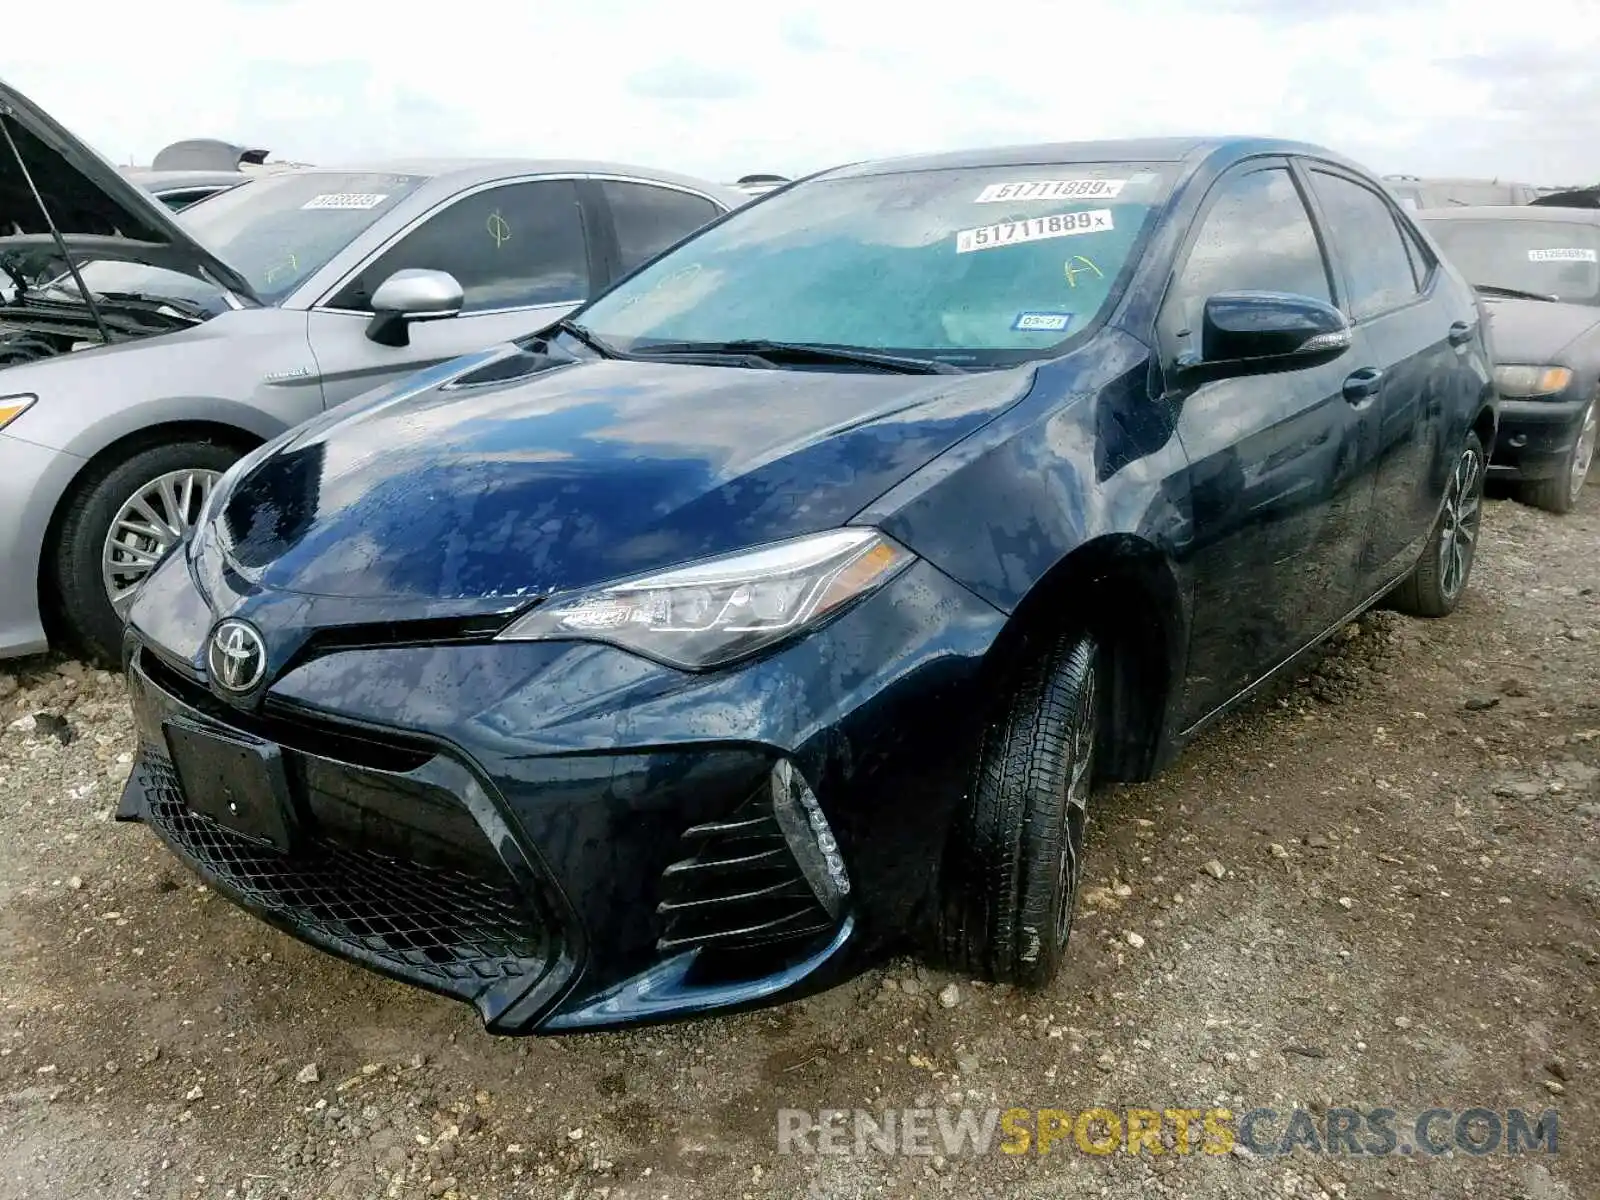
x: 1378, y: 888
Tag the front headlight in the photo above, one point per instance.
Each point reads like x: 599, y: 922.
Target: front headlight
x: 12, y: 407
x: 709, y: 613
x: 1526, y: 383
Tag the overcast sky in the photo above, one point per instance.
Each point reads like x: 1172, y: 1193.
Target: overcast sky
x: 721, y: 89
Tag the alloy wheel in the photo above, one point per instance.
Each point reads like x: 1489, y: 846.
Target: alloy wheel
x: 1458, y: 534
x: 1583, y: 452
x: 147, y: 525
x: 1080, y: 777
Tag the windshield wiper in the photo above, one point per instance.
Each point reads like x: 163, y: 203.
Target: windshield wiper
x: 1511, y: 293
x: 599, y: 345
x: 776, y: 352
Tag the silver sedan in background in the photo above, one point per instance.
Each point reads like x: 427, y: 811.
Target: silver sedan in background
x: 139, y: 365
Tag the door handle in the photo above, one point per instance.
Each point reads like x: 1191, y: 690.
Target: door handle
x: 1361, y: 386
x: 1460, y: 333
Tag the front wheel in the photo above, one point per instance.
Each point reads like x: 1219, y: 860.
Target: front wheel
x: 117, y: 525
x: 1561, y: 492
x: 1437, y: 582
x: 1017, y: 854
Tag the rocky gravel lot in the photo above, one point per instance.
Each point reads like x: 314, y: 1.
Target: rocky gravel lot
x: 1378, y: 887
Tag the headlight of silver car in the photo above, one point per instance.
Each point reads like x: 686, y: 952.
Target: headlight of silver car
x: 709, y: 613
x: 1527, y: 383
x: 12, y: 407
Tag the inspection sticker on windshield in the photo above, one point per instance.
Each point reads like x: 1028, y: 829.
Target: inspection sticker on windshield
x: 1034, y: 229
x: 1042, y: 322
x: 1572, y: 255
x: 346, y: 200
x: 1052, y: 189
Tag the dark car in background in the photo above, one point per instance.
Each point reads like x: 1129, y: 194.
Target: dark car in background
x: 1538, y: 269
x: 786, y: 601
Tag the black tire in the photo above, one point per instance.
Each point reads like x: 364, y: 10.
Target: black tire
x: 1016, y: 857
x: 1561, y: 492
x: 1439, y: 580
x: 89, y: 620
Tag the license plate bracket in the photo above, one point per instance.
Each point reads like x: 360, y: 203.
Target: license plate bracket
x: 238, y: 781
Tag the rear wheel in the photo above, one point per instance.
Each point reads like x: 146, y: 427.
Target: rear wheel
x: 1562, y: 491
x: 118, y: 524
x: 1017, y: 856
x: 1436, y: 583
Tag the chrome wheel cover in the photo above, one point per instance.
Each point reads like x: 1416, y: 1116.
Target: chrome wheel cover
x: 150, y: 522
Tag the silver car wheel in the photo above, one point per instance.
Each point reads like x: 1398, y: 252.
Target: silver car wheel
x: 151, y: 522
x: 1583, y: 452
x: 1463, y: 508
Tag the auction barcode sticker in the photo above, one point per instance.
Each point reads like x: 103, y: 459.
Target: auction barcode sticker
x: 1034, y: 229
x: 1052, y: 189
x: 346, y: 200
x: 1575, y: 254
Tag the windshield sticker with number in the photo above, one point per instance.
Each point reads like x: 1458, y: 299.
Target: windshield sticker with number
x: 1052, y: 189
x: 1034, y: 229
x: 1574, y: 254
x: 1042, y: 322
x: 346, y: 200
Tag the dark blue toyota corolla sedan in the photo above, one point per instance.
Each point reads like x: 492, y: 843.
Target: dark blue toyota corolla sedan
x: 783, y: 604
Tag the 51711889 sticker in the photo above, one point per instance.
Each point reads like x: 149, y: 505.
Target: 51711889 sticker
x: 346, y: 200
x: 1052, y: 189
x: 1575, y: 254
x: 1034, y: 229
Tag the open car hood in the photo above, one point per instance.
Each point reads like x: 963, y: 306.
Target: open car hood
x: 96, y: 209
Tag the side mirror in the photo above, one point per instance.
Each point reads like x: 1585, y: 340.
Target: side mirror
x: 1247, y: 332
x: 411, y: 295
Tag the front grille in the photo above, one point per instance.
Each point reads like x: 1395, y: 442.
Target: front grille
x: 454, y: 932
x: 739, y: 887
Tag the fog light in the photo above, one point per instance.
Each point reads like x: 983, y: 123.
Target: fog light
x: 810, y: 839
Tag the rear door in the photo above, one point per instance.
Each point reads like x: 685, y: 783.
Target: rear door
x: 1280, y: 499
x: 1391, y: 294
x: 522, y: 252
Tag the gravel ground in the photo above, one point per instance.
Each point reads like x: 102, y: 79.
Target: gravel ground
x: 1378, y: 887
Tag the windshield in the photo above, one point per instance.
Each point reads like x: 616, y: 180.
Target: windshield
x: 1553, y: 258
x: 975, y: 267
x: 275, y: 230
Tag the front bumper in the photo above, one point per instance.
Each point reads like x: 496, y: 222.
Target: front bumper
x: 32, y: 479
x: 571, y: 838
x: 1535, y: 437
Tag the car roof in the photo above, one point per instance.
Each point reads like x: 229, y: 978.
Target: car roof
x: 1191, y: 150
x: 1513, y: 212
x: 466, y: 172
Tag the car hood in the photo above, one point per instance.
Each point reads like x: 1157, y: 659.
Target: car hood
x: 530, y: 475
x: 1536, y: 331
x: 97, y: 210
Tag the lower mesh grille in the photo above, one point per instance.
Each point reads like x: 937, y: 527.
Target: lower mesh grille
x: 739, y: 887
x: 454, y: 932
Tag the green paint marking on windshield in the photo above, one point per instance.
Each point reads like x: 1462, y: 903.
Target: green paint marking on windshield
x: 498, y: 229
x: 1085, y: 264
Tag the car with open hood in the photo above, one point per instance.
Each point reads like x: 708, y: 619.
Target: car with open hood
x: 782, y: 605
x: 142, y: 351
x: 1538, y: 270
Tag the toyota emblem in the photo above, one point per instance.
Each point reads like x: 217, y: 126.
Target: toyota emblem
x: 237, y: 657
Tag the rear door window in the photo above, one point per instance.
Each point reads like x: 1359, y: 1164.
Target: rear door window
x: 648, y: 219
